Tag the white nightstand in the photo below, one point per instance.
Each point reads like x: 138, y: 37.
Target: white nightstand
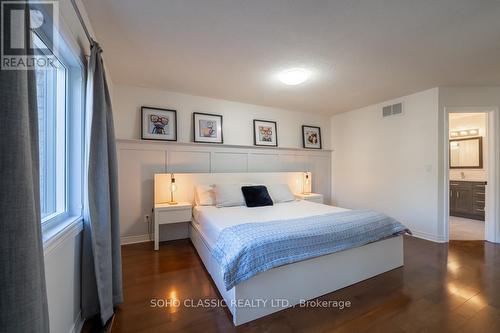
x: 165, y: 214
x: 314, y: 197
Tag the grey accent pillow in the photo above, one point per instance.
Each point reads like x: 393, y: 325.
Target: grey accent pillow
x: 228, y: 195
x: 280, y: 193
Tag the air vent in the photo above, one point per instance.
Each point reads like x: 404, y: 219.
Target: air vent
x: 387, y: 111
x: 391, y: 110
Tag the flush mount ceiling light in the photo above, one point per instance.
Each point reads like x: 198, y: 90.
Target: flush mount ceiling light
x: 294, y: 76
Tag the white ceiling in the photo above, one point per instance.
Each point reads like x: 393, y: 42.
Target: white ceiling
x: 360, y: 52
x: 472, y: 115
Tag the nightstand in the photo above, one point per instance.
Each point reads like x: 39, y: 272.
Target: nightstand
x: 314, y: 197
x: 166, y: 214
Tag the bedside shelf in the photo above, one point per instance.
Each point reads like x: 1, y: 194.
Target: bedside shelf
x: 314, y: 197
x: 167, y: 214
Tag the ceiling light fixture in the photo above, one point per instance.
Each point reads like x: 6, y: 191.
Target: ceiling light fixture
x: 462, y: 133
x: 294, y: 76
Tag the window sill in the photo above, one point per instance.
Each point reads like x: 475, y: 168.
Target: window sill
x: 58, y: 233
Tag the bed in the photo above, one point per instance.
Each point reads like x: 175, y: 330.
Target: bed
x: 294, y: 282
x: 210, y: 220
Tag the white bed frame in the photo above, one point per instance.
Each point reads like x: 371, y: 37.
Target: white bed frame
x: 287, y: 285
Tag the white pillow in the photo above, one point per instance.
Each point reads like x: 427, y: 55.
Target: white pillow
x: 280, y: 193
x: 204, y: 195
x: 228, y: 195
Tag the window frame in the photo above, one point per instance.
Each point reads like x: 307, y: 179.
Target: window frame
x: 68, y: 53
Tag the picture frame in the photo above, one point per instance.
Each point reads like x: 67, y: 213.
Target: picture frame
x: 311, y: 137
x: 158, y: 124
x: 207, y: 128
x: 265, y: 133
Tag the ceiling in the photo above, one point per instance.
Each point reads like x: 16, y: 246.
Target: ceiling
x: 471, y: 115
x: 359, y: 52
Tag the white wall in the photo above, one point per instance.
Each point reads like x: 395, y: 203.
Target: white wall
x: 138, y: 161
x: 237, y: 121
x: 459, y: 121
x: 397, y: 165
x: 390, y: 164
x: 62, y: 274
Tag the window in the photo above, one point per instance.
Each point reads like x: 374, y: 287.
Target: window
x: 51, y: 103
x: 61, y: 133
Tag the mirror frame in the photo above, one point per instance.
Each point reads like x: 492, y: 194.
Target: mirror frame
x: 480, y: 166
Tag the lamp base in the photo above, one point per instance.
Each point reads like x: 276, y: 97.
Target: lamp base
x: 172, y: 203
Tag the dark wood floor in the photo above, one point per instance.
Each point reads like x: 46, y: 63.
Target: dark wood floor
x: 441, y: 288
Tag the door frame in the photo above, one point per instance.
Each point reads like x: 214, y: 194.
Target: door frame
x: 492, y: 211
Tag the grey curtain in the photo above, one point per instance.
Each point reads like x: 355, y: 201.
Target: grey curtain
x: 23, y: 297
x: 101, y: 261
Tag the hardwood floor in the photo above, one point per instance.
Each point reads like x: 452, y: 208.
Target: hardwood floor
x: 441, y: 288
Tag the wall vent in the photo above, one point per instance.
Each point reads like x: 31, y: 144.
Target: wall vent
x: 387, y: 111
x: 391, y: 110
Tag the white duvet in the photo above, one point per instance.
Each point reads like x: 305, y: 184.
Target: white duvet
x: 211, y: 220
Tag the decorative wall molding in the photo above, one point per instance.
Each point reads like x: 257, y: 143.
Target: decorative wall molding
x: 139, y: 160
x: 209, y: 145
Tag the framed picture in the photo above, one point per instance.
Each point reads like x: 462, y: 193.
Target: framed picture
x: 311, y: 137
x: 158, y: 124
x: 265, y: 133
x: 207, y: 128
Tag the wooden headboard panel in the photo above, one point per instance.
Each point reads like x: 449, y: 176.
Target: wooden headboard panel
x: 187, y: 181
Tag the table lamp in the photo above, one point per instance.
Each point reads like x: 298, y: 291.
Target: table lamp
x: 173, y: 188
x: 306, y: 183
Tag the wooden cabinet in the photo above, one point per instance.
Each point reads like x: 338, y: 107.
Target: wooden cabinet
x: 467, y: 199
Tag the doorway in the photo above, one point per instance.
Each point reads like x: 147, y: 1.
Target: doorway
x: 468, y: 174
x: 471, y: 171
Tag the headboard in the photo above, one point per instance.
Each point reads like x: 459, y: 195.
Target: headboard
x: 187, y: 181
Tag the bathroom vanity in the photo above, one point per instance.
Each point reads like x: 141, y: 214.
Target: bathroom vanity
x: 467, y: 199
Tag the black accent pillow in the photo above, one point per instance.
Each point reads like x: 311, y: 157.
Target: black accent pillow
x: 256, y: 196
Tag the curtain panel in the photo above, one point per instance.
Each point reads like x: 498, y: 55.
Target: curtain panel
x: 23, y: 296
x: 101, y: 261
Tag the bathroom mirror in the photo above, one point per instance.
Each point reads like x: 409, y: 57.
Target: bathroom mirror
x: 466, y: 153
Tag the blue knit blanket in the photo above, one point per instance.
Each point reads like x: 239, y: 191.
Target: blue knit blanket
x: 245, y: 250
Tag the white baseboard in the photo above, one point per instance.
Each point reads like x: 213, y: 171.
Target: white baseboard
x: 77, y: 326
x: 134, y: 239
x: 429, y: 237
x: 168, y: 232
